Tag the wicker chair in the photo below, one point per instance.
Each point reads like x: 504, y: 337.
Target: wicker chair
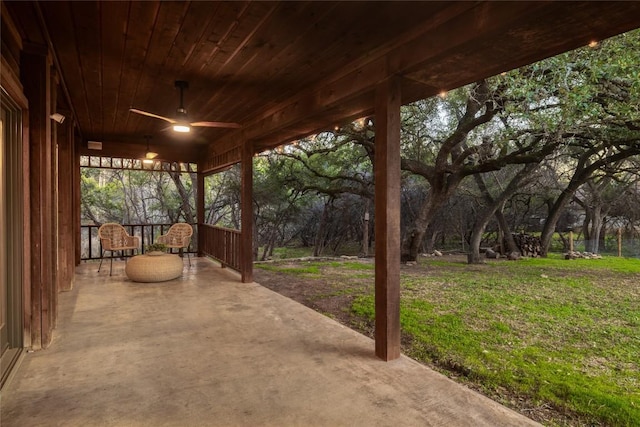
x: 178, y: 236
x: 114, y: 237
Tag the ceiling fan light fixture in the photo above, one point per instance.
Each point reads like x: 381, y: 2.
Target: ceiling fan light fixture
x: 147, y: 161
x: 178, y: 127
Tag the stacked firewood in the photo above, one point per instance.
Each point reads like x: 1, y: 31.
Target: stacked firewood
x: 530, y: 246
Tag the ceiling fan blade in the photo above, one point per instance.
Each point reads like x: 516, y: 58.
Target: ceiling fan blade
x: 146, y: 113
x: 216, y: 125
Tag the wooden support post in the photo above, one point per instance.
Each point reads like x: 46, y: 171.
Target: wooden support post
x: 570, y: 241
x: 66, y: 217
x: 619, y: 242
x: 35, y: 71
x: 200, y: 209
x: 77, y: 198
x: 365, y: 232
x: 246, y: 237
x: 387, y: 223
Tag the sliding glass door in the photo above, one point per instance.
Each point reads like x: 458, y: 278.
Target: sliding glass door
x: 11, y: 223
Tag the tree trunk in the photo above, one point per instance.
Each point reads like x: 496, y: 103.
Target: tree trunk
x: 596, y: 227
x: 507, y: 234
x: 494, y: 207
x: 187, y: 211
x: 476, y: 235
x: 412, y: 241
x: 320, y: 235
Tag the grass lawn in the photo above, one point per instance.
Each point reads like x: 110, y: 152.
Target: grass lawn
x: 533, y: 334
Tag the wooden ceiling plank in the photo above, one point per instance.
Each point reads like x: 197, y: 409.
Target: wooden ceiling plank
x: 364, y: 78
x: 277, y: 50
x: 331, y: 35
x: 139, y: 28
x: 64, y: 36
x: 87, y: 24
x: 304, y: 77
x: 280, y: 72
x: 156, y: 92
x: 113, y: 52
x: 519, y: 41
x: 234, y: 56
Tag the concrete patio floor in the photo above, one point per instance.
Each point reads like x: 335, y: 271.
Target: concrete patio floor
x: 207, y: 350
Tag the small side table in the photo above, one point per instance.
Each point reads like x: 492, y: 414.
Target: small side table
x: 154, y: 268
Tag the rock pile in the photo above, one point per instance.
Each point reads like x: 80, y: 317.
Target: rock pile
x: 581, y: 255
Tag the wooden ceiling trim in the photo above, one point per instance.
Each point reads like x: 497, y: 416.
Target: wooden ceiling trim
x: 9, y: 27
x: 24, y: 14
x: 111, y: 148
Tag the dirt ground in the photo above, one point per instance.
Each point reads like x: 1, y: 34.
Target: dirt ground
x: 322, y: 295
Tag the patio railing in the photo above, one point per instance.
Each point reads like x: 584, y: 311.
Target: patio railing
x: 223, y: 244
x: 90, y: 243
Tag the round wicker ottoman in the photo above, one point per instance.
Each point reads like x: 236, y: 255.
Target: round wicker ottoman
x: 154, y: 268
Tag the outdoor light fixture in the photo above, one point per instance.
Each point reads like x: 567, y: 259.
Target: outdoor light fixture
x: 57, y: 117
x: 149, y: 155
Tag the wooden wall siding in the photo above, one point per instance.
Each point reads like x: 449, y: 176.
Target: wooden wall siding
x: 387, y: 224
x: 223, y: 244
x: 52, y: 179
x: 36, y: 71
x: 10, y: 80
x: 216, y: 162
x: 66, y: 205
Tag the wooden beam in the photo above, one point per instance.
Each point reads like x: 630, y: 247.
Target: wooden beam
x: 66, y: 229
x: 246, y: 198
x: 387, y: 221
x: 200, y: 209
x: 135, y: 150
x: 76, y: 195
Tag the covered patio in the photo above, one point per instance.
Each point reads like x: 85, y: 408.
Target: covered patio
x: 207, y: 350
x: 214, y: 347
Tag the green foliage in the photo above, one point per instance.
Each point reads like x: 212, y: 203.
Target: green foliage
x: 153, y: 247
x: 133, y: 196
x: 311, y: 269
x: 558, y: 331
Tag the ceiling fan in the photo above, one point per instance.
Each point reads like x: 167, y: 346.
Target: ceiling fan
x: 181, y: 121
